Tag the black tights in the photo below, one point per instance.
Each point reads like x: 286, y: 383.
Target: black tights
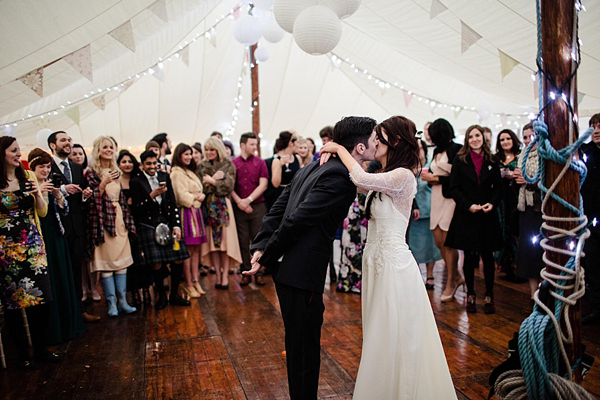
x: 489, y: 268
x: 37, y: 317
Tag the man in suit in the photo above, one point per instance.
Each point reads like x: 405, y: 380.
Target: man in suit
x: 295, y: 243
x: 74, y: 189
x: 153, y: 202
x: 164, y: 143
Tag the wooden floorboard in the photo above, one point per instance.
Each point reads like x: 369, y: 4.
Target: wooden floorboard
x: 229, y: 345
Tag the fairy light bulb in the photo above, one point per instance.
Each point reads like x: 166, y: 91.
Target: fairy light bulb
x: 534, y: 239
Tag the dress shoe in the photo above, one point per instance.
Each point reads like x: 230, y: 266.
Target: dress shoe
x: 218, y: 286
x: 90, y: 318
x: 429, y: 284
x: 488, y: 305
x: 260, y: 281
x: 593, y: 318
x: 96, y: 296
x: 198, y: 288
x: 177, y: 300
x: 161, y: 300
x: 245, y: 280
x: 48, y: 356
x: 26, y: 364
x: 188, y: 292
x: 446, y: 298
x: 471, y: 305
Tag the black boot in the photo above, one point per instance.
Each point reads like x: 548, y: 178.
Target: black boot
x: 159, y: 290
x: 174, y: 298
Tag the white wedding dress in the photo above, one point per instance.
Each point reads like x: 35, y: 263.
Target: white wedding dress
x: 402, y: 355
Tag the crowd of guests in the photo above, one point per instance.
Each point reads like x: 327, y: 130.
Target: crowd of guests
x: 69, y: 222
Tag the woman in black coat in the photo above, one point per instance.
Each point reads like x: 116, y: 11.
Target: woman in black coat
x: 476, y: 187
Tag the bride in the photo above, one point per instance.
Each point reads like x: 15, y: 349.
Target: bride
x: 402, y: 355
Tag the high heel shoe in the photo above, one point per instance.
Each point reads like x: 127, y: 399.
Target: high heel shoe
x: 429, y: 286
x: 449, y: 297
x: 198, y: 288
x: 188, y: 292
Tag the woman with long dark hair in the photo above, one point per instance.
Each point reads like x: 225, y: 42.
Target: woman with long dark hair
x: 284, y: 166
x: 476, y: 187
x: 399, y: 329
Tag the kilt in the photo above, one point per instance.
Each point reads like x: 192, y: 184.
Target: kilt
x: 151, y: 252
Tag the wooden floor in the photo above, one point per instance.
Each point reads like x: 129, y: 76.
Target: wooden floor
x: 229, y: 345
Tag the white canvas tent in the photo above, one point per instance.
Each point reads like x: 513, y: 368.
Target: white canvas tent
x: 395, y: 42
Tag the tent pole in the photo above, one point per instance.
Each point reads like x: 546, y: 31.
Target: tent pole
x: 558, y: 18
x: 255, y: 95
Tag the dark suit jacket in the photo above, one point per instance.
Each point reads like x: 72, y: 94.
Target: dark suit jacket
x: 74, y: 222
x: 146, y: 210
x: 475, y: 231
x: 301, y: 225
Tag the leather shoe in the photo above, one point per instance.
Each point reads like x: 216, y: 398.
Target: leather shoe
x: 260, y: 281
x: 177, y: 300
x: 245, y: 280
x: 592, y: 318
x: 48, y: 356
x: 26, y: 364
x: 471, y: 305
x: 161, y: 301
x: 90, y: 318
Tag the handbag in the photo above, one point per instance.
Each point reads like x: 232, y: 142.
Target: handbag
x: 162, y: 234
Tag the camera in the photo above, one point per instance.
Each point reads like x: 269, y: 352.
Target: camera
x: 28, y: 186
x: 56, y: 180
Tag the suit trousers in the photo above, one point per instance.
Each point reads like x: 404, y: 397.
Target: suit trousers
x: 248, y: 226
x: 302, y: 313
x: 591, y: 264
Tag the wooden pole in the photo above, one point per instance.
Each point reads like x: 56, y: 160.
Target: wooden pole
x: 557, y: 46
x: 255, y: 95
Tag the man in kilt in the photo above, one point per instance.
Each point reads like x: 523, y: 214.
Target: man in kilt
x: 153, y: 202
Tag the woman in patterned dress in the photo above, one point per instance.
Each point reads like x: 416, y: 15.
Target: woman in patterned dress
x: 24, y: 280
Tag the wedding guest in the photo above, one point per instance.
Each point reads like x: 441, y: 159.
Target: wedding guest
x: 79, y: 156
x: 164, y: 142
x: 250, y: 184
x: 311, y: 146
x: 507, y: 150
x: 304, y: 153
x: 152, y: 145
x: 285, y: 165
x: 442, y: 204
x: 75, y: 189
x: 138, y: 276
x: 218, y: 135
x: 153, y: 203
x: 24, y: 279
x: 487, y: 134
x: 197, y: 153
x: 64, y: 314
x: 109, y: 226
x: 326, y: 135
x: 529, y: 203
x: 189, y: 197
x: 222, y: 248
x: 476, y: 187
x: 420, y: 239
x: 229, y: 150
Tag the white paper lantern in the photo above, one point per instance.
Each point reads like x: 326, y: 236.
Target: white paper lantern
x: 264, y: 5
x: 271, y: 31
x: 42, y: 138
x: 317, y: 30
x: 261, y: 54
x: 286, y: 12
x: 247, y: 30
x: 343, y: 8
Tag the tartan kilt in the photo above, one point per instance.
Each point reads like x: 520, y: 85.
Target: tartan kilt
x: 151, y: 252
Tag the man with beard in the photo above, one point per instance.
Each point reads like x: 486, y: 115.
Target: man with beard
x: 165, y: 149
x: 74, y: 188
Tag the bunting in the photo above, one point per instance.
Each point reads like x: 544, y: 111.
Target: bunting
x: 34, y: 80
x: 73, y: 113
x: 213, y: 37
x: 507, y: 63
x: 580, y: 97
x: 124, y: 35
x: 159, y: 72
x: 468, y: 37
x: 407, y: 98
x: 457, y: 111
x: 185, y: 55
x: 436, y: 9
x: 81, y: 61
x: 160, y: 10
x: 100, y: 102
x: 126, y: 86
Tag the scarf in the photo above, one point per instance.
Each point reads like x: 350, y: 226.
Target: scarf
x: 529, y: 193
x: 217, y: 216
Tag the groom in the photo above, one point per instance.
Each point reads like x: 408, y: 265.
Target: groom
x: 295, y: 243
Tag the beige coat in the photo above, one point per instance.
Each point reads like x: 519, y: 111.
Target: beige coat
x: 186, y: 185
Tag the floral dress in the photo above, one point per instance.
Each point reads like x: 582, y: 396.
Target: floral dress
x: 354, y: 236
x: 24, y: 279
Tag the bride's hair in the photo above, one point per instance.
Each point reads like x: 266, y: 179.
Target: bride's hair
x: 403, y: 147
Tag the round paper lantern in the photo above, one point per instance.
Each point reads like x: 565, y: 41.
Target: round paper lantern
x: 317, y: 30
x: 42, y: 138
x: 271, y: 31
x: 261, y: 54
x: 286, y: 12
x: 247, y: 30
x: 264, y: 5
x: 343, y: 8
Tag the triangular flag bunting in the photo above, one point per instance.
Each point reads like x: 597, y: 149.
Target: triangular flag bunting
x: 100, y: 102
x: 34, y: 80
x: 126, y: 85
x: 81, y: 61
x: 213, y: 37
x: 159, y: 73
x: 41, y: 122
x: 507, y: 63
x: 468, y: 37
x: 236, y: 13
x: 160, y: 9
x: 457, y: 111
x: 73, y: 113
x: 432, y: 107
x: 124, y: 35
x: 185, y: 55
x: 580, y: 97
x: 407, y: 98
x: 436, y: 9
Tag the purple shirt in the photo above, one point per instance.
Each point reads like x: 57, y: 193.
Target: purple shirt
x: 249, y: 172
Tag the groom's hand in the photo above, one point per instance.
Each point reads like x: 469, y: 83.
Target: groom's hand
x: 255, y: 263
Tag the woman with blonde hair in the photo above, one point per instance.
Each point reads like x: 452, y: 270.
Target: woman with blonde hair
x: 303, y: 150
x: 109, y: 222
x: 218, y: 177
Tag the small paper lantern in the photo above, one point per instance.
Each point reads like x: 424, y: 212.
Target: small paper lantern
x: 271, y: 31
x: 247, y: 30
x: 343, y: 8
x: 317, y: 30
x: 42, y: 138
x: 264, y: 5
x: 261, y: 54
x: 286, y: 12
